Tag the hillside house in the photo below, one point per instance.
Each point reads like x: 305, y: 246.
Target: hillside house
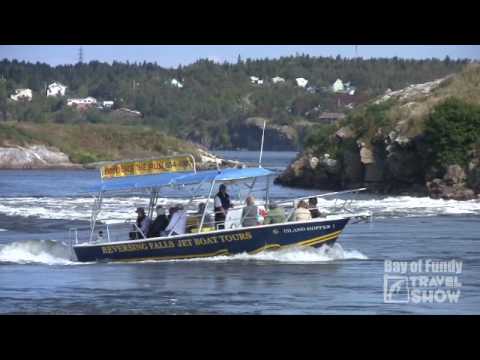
x: 278, y: 79
x: 338, y: 86
x: 107, y: 104
x: 176, y: 83
x: 82, y: 103
x: 330, y: 118
x: 255, y: 80
x: 301, y: 82
x: 56, y: 89
x: 343, y: 88
x: 22, y: 94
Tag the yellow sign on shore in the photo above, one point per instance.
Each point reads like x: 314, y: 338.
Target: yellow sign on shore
x: 147, y: 167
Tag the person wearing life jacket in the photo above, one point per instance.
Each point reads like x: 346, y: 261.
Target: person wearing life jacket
x: 221, y: 205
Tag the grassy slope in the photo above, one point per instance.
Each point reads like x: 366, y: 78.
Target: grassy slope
x: 464, y: 85
x: 86, y: 143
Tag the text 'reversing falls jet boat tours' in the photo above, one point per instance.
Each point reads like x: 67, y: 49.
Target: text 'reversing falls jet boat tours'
x: 179, y: 174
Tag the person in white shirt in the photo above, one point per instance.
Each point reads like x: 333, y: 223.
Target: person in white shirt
x: 178, y: 222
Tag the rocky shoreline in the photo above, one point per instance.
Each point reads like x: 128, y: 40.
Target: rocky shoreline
x: 36, y: 157
x: 309, y: 171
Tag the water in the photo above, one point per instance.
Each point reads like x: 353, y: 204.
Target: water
x: 37, y: 275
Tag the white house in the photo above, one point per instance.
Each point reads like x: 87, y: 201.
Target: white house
x: 256, y: 80
x: 107, y: 104
x: 338, y: 86
x: 176, y: 83
x: 301, y: 82
x: 278, y: 79
x: 56, y: 89
x: 22, y: 94
x: 82, y: 102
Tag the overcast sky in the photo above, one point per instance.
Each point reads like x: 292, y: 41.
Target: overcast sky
x: 173, y: 55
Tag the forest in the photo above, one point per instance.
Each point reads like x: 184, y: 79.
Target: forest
x: 214, y: 98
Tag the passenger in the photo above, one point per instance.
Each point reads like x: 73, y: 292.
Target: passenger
x: 159, y: 224
x: 100, y: 237
x: 250, y: 213
x: 301, y: 213
x: 178, y: 222
x: 208, y: 221
x: 193, y: 222
x: 221, y: 205
x: 143, y: 223
x: 171, y: 211
x: 276, y: 215
x: 312, y: 204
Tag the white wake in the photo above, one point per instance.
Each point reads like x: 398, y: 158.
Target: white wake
x: 120, y: 209
x: 35, y: 251
x: 290, y: 256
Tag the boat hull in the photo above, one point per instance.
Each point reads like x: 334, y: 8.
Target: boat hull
x: 225, y: 242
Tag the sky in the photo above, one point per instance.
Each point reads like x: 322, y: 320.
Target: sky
x: 174, y: 55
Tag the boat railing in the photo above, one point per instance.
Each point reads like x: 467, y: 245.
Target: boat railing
x: 104, y: 232
x: 340, y: 205
x: 113, y: 232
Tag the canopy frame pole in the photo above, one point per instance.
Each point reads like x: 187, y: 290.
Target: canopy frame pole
x: 267, y: 193
x: 153, y: 201
x: 97, y: 207
x: 261, y: 146
x: 206, y: 206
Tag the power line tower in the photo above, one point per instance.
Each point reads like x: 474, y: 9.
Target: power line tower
x: 80, y: 55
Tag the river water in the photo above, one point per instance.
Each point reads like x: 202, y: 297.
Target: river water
x: 37, y: 275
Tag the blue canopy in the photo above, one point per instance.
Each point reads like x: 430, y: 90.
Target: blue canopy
x: 179, y: 178
x: 223, y: 175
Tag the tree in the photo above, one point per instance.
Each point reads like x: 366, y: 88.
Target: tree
x: 451, y: 132
x: 3, y: 98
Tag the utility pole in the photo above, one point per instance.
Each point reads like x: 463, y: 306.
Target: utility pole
x: 356, y: 50
x: 80, y: 55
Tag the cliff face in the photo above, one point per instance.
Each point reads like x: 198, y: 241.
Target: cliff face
x: 33, y: 157
x: 248, y: 135
x: 393, y: 155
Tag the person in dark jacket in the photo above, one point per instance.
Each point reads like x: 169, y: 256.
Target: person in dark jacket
x: 143, y: 223
x: 159, y: 224
x: 312, y: 206
x: 221, y: 204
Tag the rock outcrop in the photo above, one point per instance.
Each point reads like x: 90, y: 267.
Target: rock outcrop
x: 451, y: 186
x: 211, y: 161
x: 389, y: 157
x: 308, y: 169
x: 410, y: 93
x: 33, y: 157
